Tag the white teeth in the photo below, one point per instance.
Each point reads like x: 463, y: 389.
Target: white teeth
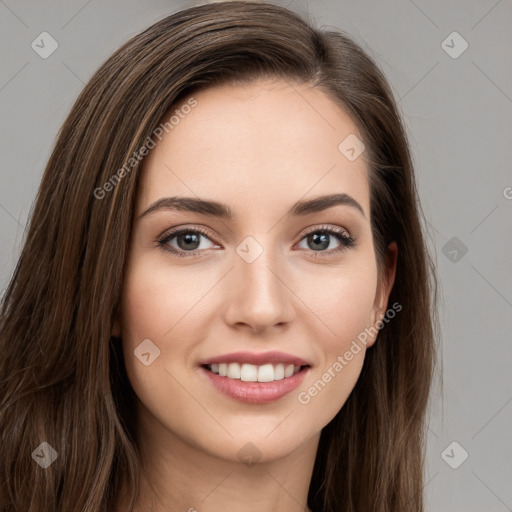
x: 249, y: 373
x: 233, y: 371
x: 279, y: 372
x: 253, y: 373
x: 266, y: 373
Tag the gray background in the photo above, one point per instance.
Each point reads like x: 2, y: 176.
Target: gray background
x: 458, y: 113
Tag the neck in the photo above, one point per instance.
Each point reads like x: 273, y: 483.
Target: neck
x: 180, y: 477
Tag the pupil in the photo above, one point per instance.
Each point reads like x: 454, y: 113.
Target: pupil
x: 320, y: 239
x: 189, y: 238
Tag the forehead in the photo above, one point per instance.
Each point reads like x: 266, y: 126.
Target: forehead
x: 263, y: 143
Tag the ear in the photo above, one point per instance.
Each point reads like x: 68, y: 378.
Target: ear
x: 384, y: 287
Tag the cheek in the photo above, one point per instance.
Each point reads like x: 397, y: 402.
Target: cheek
x: 343, y: 299
x: 151, y: 307
x: 350, y: 317
x: 156, y: 299
x: 162, y: 305
x: 154, y: 308
x: 344, y: 306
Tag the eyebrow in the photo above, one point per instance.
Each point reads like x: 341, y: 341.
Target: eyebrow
x: 223, y: 211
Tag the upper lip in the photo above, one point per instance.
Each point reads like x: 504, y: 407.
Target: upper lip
x: 257, y: 359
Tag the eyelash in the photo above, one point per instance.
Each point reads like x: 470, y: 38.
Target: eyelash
x: 346, y: 240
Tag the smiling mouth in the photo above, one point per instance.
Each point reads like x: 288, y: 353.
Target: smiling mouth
x: 254, y: 373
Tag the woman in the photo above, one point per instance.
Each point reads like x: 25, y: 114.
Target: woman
x: 283, y: 360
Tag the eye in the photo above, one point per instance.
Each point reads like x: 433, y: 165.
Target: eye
x: 185, y: 242
x: 188, y: 241
x: 319, y: 239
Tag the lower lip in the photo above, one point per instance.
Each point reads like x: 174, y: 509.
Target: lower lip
x: 256, y: 392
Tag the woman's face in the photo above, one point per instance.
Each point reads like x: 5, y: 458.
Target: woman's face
x: 263, y: 292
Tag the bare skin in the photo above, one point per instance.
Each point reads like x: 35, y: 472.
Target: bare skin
x: 259, y: 149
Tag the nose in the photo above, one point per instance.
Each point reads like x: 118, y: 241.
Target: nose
x: 259, y: 295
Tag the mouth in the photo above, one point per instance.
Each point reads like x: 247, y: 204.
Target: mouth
x: 255, y: 373
x: 255, y: 384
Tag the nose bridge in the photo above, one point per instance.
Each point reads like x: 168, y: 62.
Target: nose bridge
x: 259, y: 296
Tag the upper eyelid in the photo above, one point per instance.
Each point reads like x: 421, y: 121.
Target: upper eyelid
x: 328, y: 227
x: 179, y: 229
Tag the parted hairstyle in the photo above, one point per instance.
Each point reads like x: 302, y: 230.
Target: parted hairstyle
x: 62, y: 378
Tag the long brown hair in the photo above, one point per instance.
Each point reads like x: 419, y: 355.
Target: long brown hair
x: 62, y: 378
